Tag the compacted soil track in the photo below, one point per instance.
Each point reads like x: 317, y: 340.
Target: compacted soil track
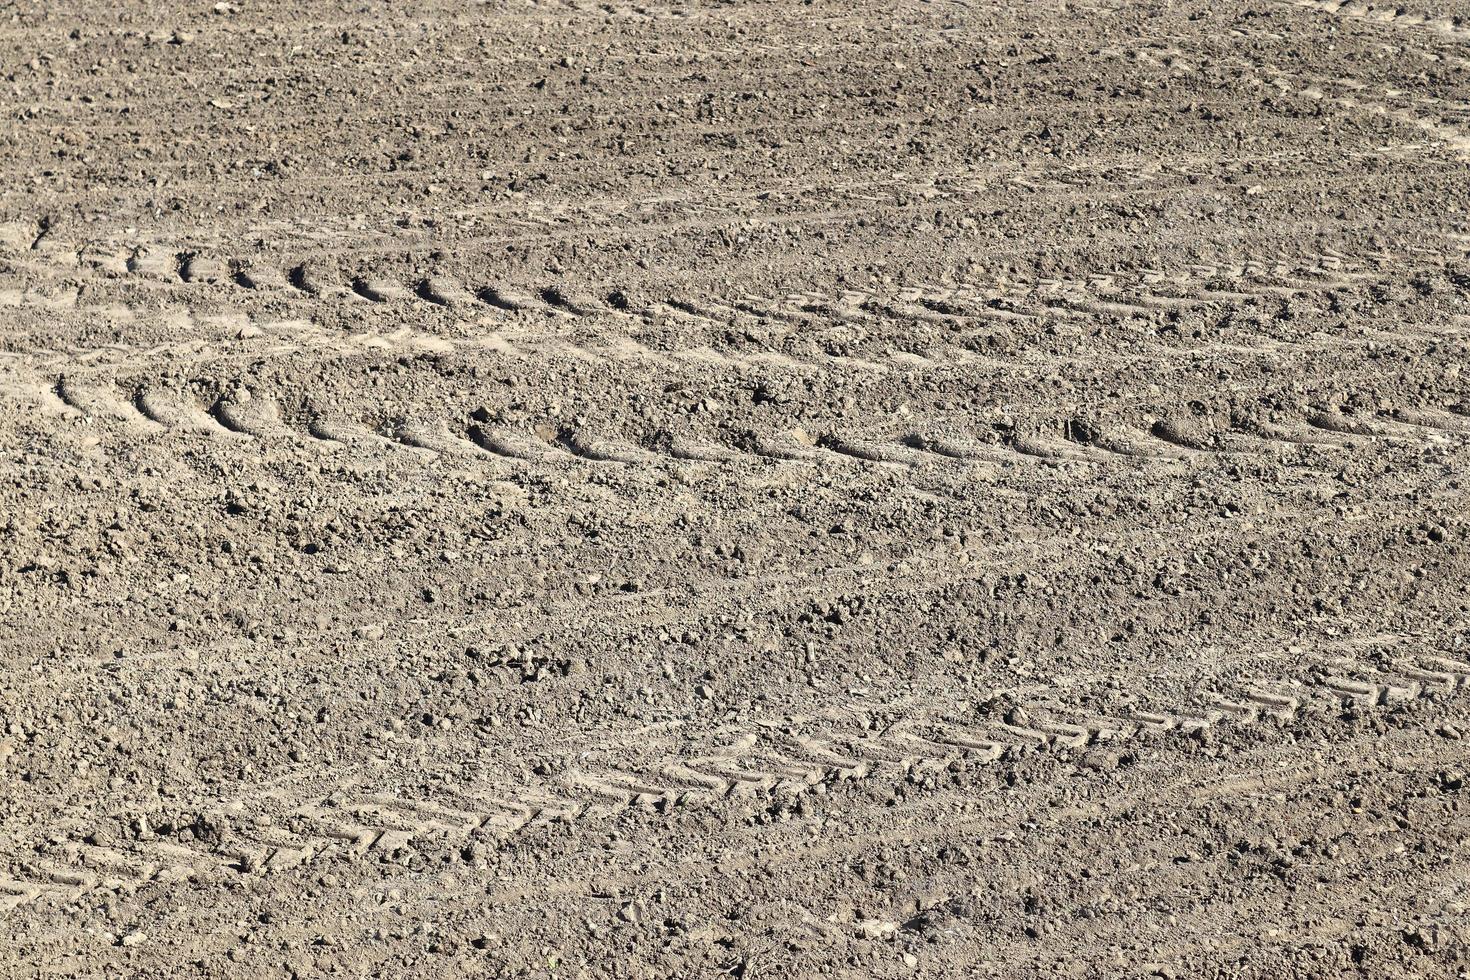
x: 745, y: 489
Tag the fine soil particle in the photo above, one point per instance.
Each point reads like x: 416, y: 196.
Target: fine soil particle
x: 734, y: 489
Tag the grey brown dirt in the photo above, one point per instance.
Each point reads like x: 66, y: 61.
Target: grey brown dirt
x: 760, y: 489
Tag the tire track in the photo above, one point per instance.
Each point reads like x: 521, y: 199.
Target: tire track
x: 963, y: 311
x: 1390, y: 14
x: 1435, y: 125
x: 247, y: 416
x: 777, y: 760
x: 1278, y: 276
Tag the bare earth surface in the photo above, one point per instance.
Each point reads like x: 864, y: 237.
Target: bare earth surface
x: 751, y: 489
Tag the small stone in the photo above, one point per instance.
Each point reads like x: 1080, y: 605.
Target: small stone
x: 133, y: 938
x: 876, y: 928
x: 142, y: 828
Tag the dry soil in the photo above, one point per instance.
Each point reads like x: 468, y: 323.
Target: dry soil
x: 751, y: 489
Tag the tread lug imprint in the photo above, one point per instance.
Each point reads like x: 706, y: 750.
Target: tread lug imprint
x: 579, y: 488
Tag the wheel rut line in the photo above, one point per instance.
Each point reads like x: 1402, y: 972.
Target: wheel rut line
x: 1156, y: 442
x: 1390, y: 14
x: 960, y: 305
x: 764, y: 763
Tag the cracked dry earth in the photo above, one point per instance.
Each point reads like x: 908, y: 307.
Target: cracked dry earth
x: 759, y: 489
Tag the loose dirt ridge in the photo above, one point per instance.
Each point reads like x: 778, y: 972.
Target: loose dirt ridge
x: 757, y: 490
